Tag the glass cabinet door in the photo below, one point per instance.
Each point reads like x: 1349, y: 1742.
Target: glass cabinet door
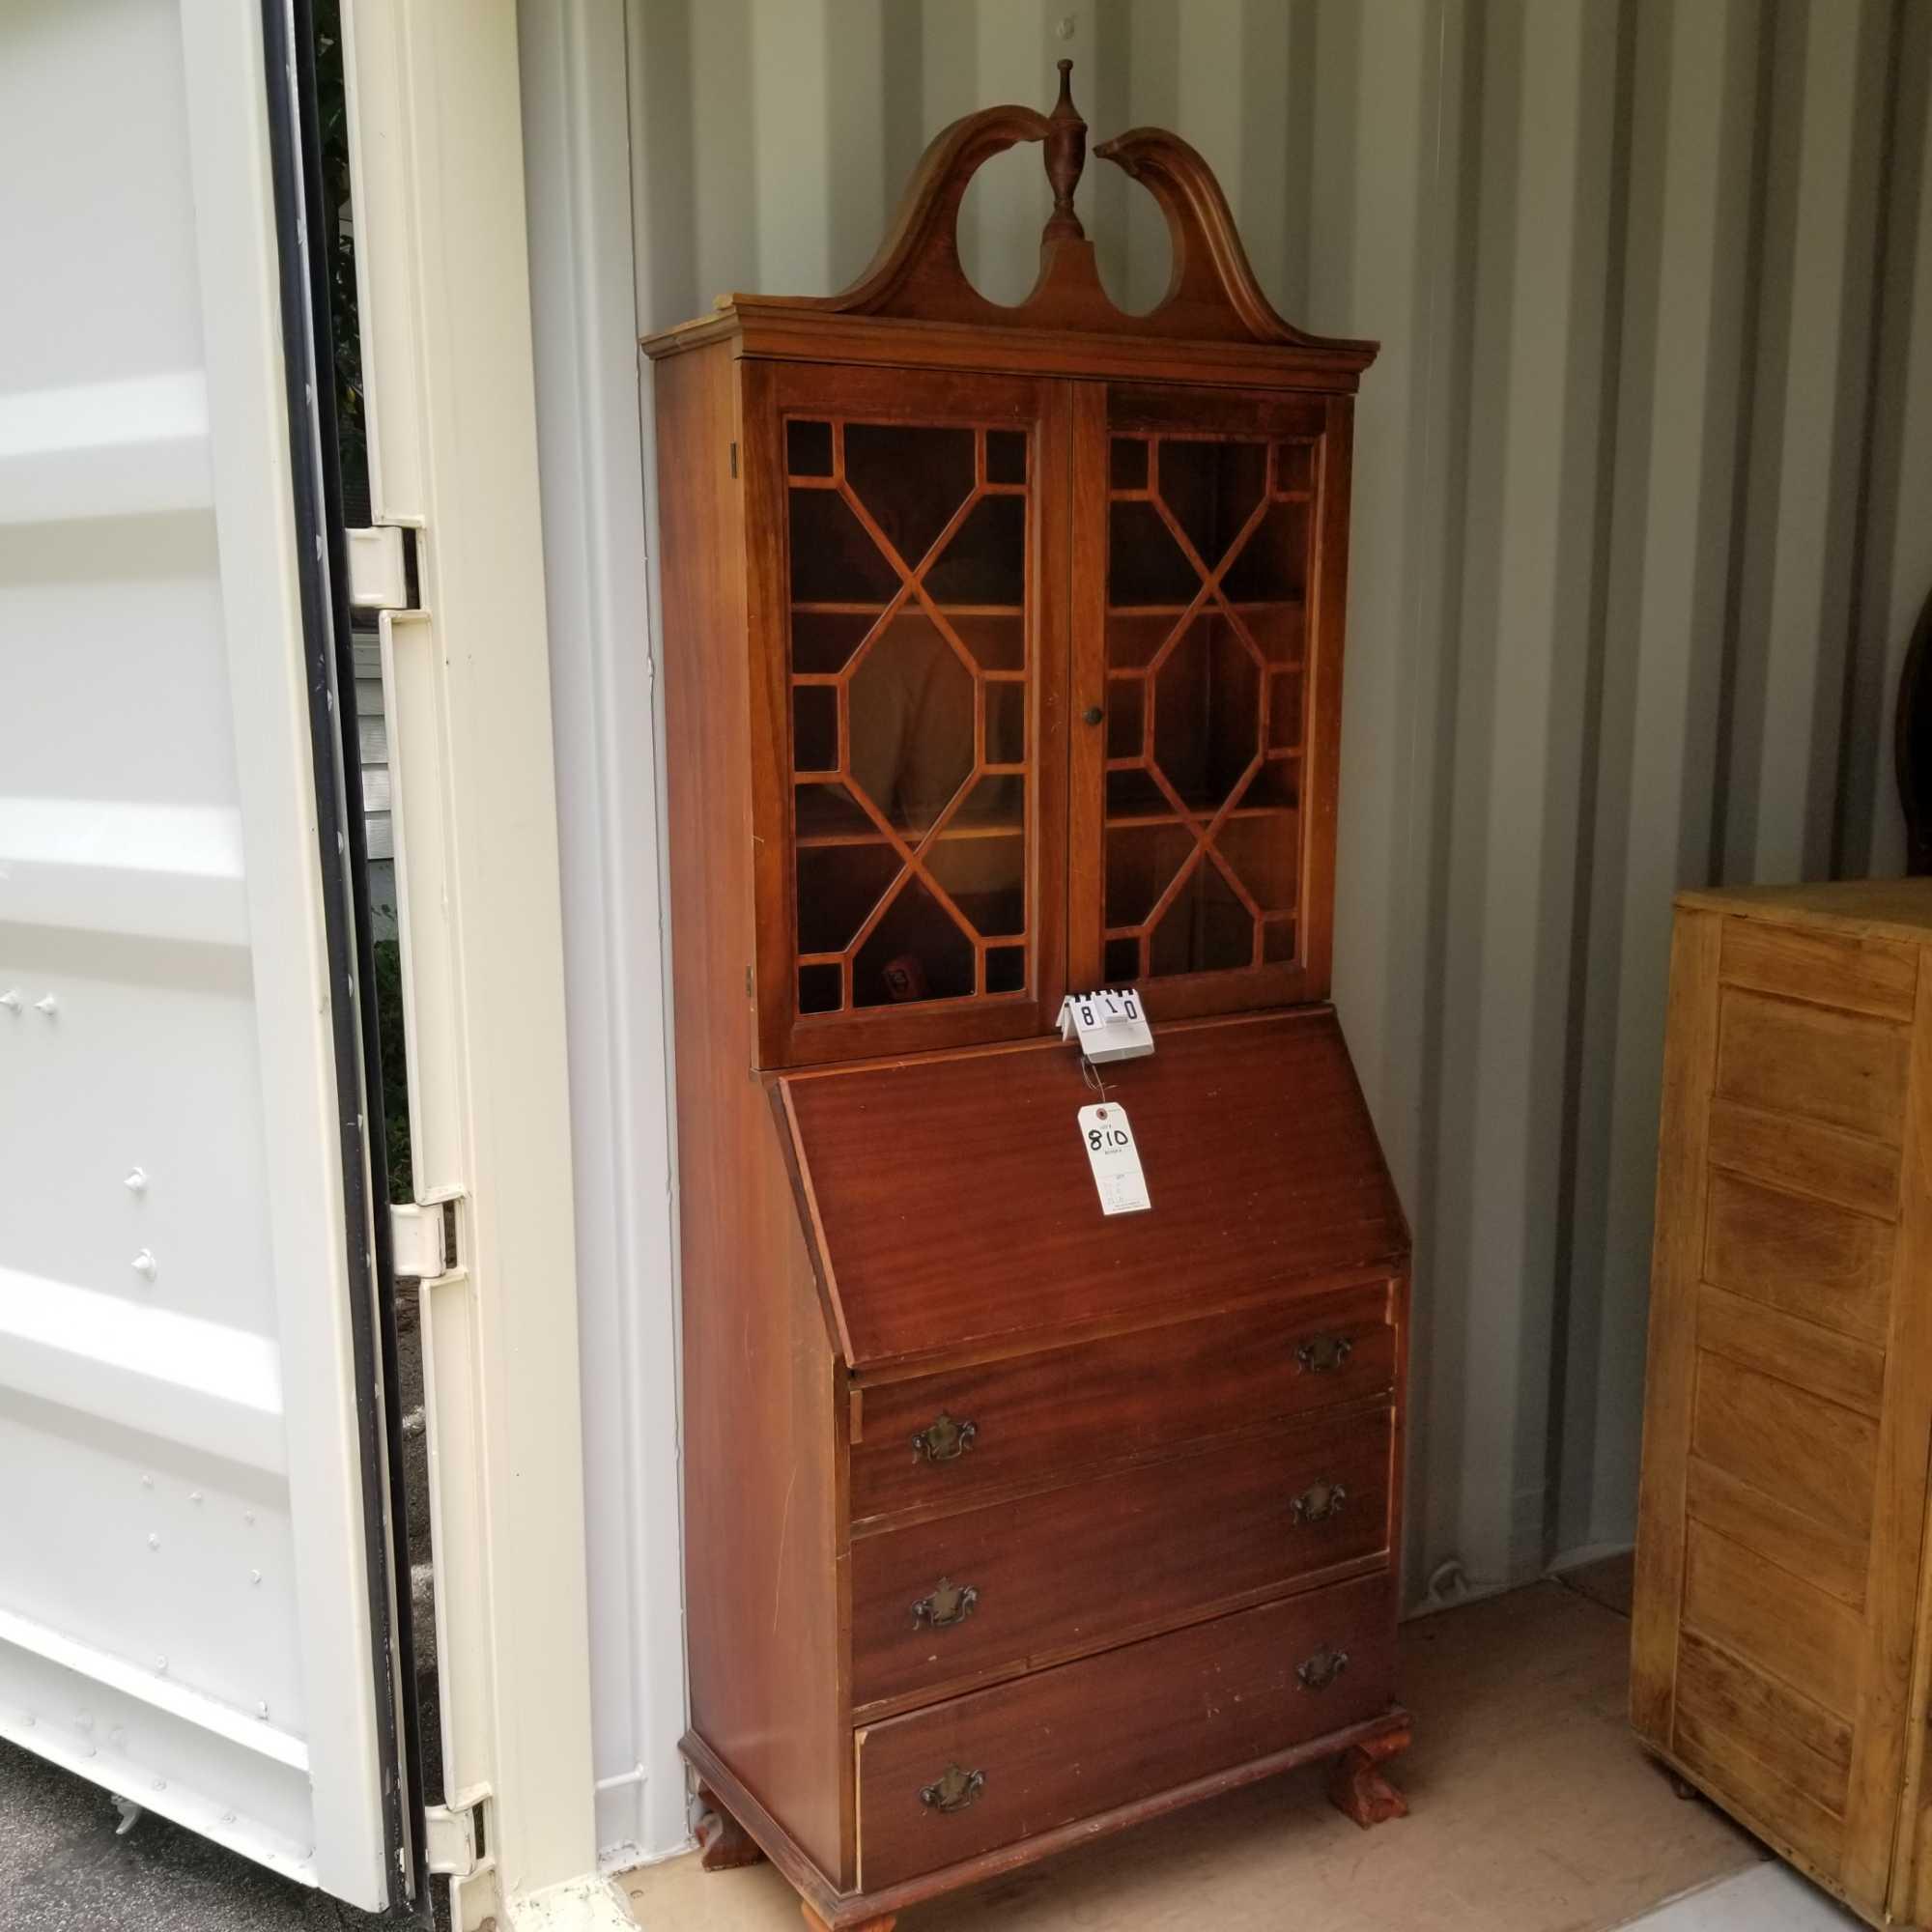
x: 923, y: 666
x: 1203, y: 796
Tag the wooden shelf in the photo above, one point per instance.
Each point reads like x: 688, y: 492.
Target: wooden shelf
x: 1128, y: 820
x: 959, y: 830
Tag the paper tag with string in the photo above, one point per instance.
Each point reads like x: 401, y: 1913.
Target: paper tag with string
x: 1114, y: 1157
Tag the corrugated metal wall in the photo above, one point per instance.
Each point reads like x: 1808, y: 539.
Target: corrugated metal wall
x: 1642, y: 529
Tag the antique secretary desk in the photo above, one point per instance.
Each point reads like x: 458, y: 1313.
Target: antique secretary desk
x: 1002, y: 658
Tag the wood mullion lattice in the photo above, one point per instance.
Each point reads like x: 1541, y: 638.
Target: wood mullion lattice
x: 913, y: 856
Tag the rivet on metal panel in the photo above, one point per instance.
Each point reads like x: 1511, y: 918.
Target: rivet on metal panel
x: 10, y: 999
x: 261, y: 1709
x: 47, y: 1004
x: 160, y: 1784
x: 147, y: 1482
x: 160, y: 1664
x: 154, y: 1542
x: 248, y: 1516
x: 254, y: 1575
x: 145, y: 1265
x: 228, y: 1817
x: 137, y: 1180
x: 194, y: 1496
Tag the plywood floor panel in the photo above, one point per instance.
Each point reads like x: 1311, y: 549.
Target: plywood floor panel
x: 1534, y: 1811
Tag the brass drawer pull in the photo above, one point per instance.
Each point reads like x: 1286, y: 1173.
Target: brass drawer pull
x: 945, y: 1440
x: 953, y: 1792
x: 1322, y: 1669
x: 1318, y: 1502
x: 1324, y: 1354
x: 949, y: 1605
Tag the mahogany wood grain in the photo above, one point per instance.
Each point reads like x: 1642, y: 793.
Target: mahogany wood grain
x: 1211, y: 292
x: 1061, y: 1414
x: 1206, y: 1532
x: 762, y: 1455
x: 847, y: 1910
x: 774, y: 394
x: 1152, y: 1714
x: 884, y: 1205
x: 879, y: 1922
x: 1259, y: 1157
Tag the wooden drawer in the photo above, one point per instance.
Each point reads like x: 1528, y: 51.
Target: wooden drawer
x: 1096, y: 1562
x: 1082, y: 1407
x: 1070, y: 1743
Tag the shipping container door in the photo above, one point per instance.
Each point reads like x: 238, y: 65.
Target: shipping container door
x: 196, y: 1595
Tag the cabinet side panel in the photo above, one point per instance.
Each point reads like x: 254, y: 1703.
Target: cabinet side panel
x: 1690, y: 1064
x: 1879, y: 1762
x: 1323, y: 758
x: 762, y: 1529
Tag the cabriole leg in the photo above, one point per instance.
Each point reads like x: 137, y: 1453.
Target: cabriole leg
x: 722, y: 1843
x: 817, y: 1924
x: 1358, y: 1787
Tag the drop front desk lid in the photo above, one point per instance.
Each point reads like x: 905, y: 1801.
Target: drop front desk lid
x: 950, y: 1207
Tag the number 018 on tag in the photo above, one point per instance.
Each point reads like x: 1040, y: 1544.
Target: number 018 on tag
x: 1114, y: 1160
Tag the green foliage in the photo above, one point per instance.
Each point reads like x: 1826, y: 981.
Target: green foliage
x: 339, y: 244
x: 395, y: 1068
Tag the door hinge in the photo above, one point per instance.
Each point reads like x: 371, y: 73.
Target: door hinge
x: 453, y: 1844
x: 383, y: 568
x: 422, y: 1240
x: 734, y: 459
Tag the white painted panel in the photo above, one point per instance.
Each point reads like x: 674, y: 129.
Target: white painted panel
x: 183, y: 1612
x: 1639, y: 542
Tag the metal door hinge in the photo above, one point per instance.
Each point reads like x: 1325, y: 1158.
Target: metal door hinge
x: 383, y: 568
x: 422, y: 1240
x: 734, y: 459
x: 453, y: 1840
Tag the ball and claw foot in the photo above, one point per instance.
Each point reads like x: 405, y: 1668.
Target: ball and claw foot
x: 722, y: 1843
x: 815, y: 1923
x: 1358, y: 1787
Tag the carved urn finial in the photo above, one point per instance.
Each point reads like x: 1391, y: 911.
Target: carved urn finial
x: 1066, y: 155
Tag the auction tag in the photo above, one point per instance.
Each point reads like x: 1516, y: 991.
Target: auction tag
x: 1115, y: 1158
x: 1108, y: 1025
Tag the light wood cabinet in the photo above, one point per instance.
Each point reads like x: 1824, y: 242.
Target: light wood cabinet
x: 1002, y: 658
x: 1780, y: 1654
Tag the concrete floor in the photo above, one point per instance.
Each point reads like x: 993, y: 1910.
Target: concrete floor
x: 1530, y: 1855
x: 61, y: 1869
x: 1767, y: 1898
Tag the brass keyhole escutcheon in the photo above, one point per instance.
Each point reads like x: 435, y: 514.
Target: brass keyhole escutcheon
x: 950, y: 1603
x: 1321, y: 1669
x: 943, y: 1440
x: 953, y: 1792
x: 1318, y: 1502
x: 1324, y: 1354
